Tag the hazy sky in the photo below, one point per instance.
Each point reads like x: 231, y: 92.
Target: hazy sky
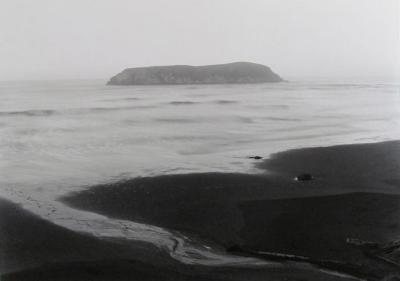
x: 57, y: 39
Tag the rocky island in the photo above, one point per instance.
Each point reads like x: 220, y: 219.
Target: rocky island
x: 231, y: 73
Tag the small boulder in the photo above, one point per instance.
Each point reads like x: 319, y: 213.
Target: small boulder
x: 304, y: 177
x: 256, y: 157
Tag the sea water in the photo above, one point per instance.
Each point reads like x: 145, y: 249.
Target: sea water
x: 62, y: 136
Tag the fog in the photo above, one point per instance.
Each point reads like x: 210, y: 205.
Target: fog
x: 80, y: 39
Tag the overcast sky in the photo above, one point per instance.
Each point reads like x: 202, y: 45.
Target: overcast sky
x: 68, y: 39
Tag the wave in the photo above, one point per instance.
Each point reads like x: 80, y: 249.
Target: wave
x: 34, y: 112
x: 177, y: 120
x: 203, y: 119
x: 225, y: 101
x: 193, y: 102
x: 48, y: 112
x: 102, y: 109
x: 121, y: 99
x: 182, y: 102
x: 270, y: 106
x: 282, y: 119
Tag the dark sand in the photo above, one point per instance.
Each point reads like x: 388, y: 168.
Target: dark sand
x: 27, y: 241
x: 32, y: 249
x: 355, y: 194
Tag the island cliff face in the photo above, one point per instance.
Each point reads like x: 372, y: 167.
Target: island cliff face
x: 237, y: 72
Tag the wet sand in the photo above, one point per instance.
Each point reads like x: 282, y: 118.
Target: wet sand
x: 33, y: 249
x: 355, y: 194
x: 27, y: 241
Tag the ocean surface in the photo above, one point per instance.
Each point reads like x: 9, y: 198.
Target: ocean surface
x: 62, y: 136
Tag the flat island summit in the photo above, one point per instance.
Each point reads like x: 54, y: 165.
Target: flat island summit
x: 230, y: 73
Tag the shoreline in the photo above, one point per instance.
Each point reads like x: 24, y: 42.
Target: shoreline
x: 174, y: 201
x: 354, y: 194
x: 33, y: 249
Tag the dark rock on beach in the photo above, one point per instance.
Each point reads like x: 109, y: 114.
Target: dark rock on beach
x: 304, y: 177
x: 255, y: 157
x: 237, y: 72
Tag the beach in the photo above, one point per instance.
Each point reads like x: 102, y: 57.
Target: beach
x: 34, y: 249
x: 351, y: 183
x: 353, y: 196
x: 161, y: 181
x: 199, y: 140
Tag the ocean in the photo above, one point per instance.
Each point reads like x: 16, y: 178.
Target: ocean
x: 58, y: 137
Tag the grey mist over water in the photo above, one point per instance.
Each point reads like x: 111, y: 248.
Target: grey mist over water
x: 75, y: 39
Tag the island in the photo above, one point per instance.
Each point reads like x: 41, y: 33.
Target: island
x: 230, y: 73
